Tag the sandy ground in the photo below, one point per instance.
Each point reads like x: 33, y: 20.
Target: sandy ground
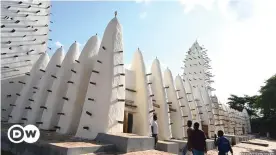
x: 249, y: 149
x: 70, y: 141
x: 239, y: 149
x: 149, y: 152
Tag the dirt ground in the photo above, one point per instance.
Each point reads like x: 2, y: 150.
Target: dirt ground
x: 239, y: 149
x: 249, y: 149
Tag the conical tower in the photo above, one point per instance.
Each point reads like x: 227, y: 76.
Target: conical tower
x: 197, y: 72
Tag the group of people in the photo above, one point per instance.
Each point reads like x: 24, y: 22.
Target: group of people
x: 196, y: 144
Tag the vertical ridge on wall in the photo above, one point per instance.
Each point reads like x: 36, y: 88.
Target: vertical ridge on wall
x: 26, y: 93
x: 56, y: 99
x: 141, y: 122
x: 160, y: 103
x: 35, y: 110
x: 183, y: 101
x: 192, y: 103
x: 105, y: 100
x: 175, y: 110
x: 77, y: 86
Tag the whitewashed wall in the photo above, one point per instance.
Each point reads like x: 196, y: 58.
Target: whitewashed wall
x: 24, y: 36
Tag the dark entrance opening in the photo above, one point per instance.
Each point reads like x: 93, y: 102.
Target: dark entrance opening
x: 128, y: 122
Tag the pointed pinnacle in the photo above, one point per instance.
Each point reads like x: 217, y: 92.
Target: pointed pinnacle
x: 96, y: 34
x: 115, y: 13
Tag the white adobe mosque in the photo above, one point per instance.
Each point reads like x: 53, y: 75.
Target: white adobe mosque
x: 90, y: 91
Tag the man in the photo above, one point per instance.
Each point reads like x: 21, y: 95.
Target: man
x: 198, y: 141
x: 154, y: 129
x: 223, y: 144
x: 188, y: 146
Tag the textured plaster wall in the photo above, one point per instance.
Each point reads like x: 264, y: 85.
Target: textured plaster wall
x: 176, y: 116
x: 131, y: 85
x: 161, y: 108
x: 55, y: 100
x: 141, y: 121
x: 192, y: 103
x: 26, y: 93
x: 24, y: 36
x: 77, y: 86
x: 183, y: 102
x: 105, y: 100
x: 34, y: 113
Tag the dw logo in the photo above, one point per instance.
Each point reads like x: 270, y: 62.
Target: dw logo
x: 18, y: 134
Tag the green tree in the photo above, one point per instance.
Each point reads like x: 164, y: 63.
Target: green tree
x: 251, y: 105
x: 236, y: 102
x: 267, y: 99
x: 265, y: 103
x: 247, y: 102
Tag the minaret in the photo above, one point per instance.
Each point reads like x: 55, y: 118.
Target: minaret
x: 34, y: 111
x: 78, y: 86
x: 160, y: 102
x: 196, y: 71
x: 56, y: 98
x: 105, y: 97
x: 137, y: 95
x: 176, y: 112
x: 24, y: 37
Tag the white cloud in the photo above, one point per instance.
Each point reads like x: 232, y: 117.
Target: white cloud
x: 143, y: 15
x: 229, y: 9
x: 143, y: 1
x: 247, y: 59
x: 243, y: 57
x: 189, y: 5
x: 58, y: 44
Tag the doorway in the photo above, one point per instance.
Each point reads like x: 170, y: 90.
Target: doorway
x: 128, y: 122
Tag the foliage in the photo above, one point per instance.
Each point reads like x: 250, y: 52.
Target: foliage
x: 265, y: 103
x: 267, y: 99
x: 247, y: 102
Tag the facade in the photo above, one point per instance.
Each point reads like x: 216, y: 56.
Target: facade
x: 90, y: 92
x: 24, y: 37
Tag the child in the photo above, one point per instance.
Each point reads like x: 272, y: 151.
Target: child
x: 223, y: 144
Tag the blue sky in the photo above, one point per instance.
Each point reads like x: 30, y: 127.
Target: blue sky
x: 236, y: 34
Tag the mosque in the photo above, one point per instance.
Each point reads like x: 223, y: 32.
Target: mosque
x: 88, y: 92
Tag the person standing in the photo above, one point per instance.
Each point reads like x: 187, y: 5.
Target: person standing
x: 188, y: 146
x: 154, y: 129
x: 198, y: 140
x: 223, y: 144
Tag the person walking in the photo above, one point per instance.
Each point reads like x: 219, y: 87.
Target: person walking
x: 154, y: 129
x: 188, y: 147
x: 223, y: 144
x: 198, y: 140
